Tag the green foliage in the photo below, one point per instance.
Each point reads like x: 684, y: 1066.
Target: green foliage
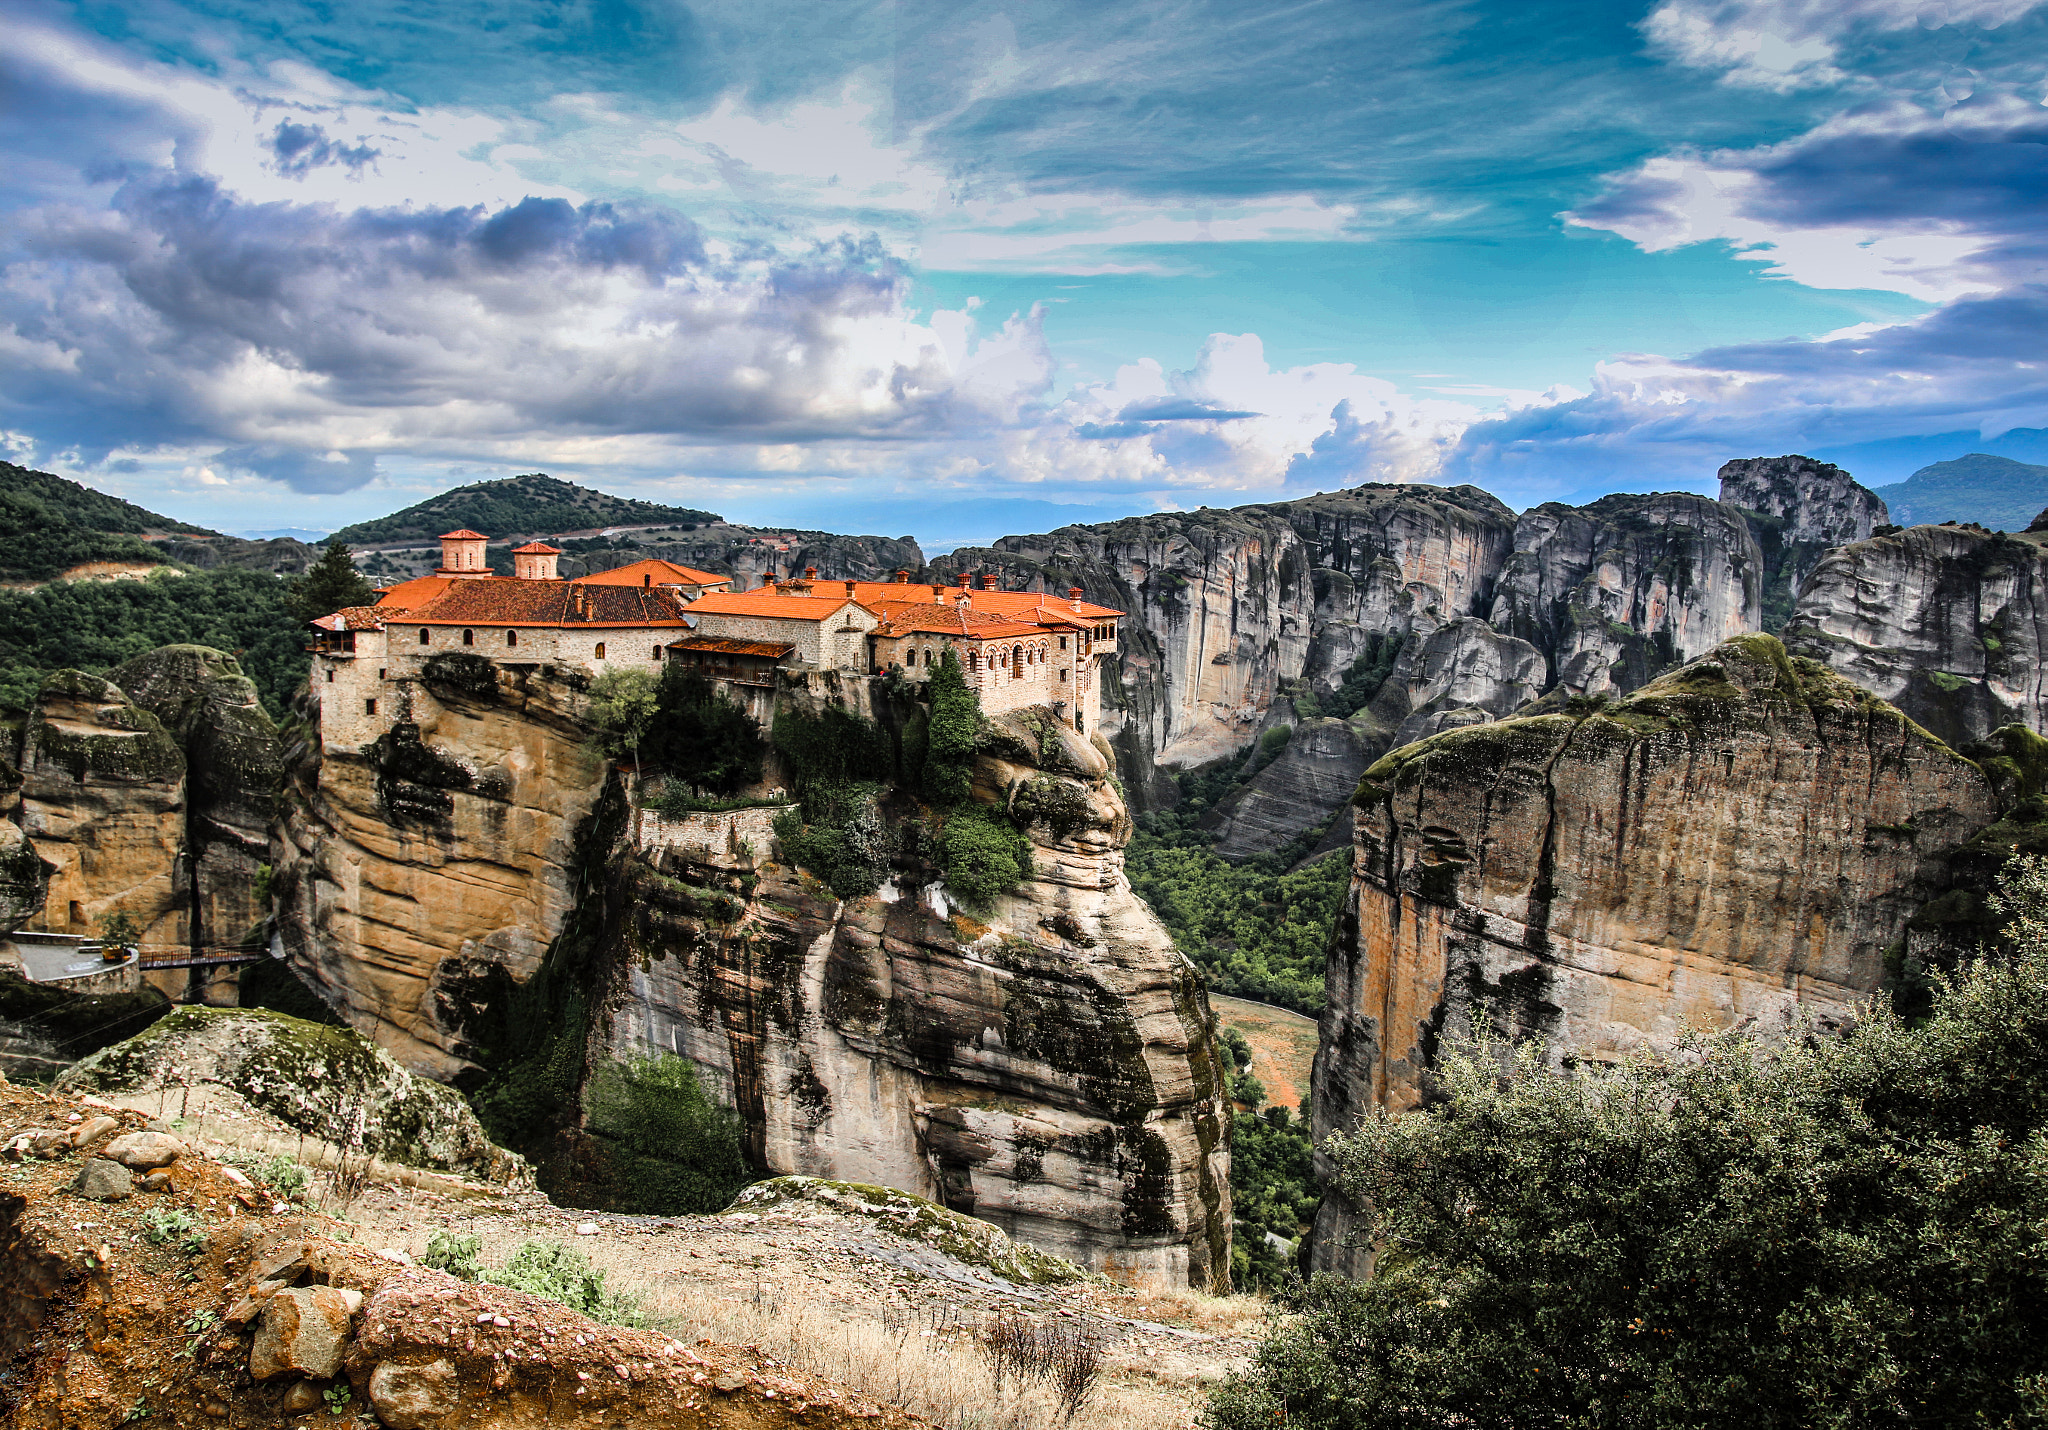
x: 1272, y: 1192
x: 174, y: 1227
x: 1275, y: 740
x: 982, y: 855
x: 622, y: 706
x: 120, y: 930
x: 832, y: 748
x: 838, y: 836
x: 671, y: 1150
x: 49, y: 524
x: 701, y: 738
x: 280, y: 1173
x: 1361, y: 682
x: 552, y: 1270
x: 1254, y: 931
x: 336, y: 1398
x: 951, y: 736
x: 1060, y: 805
x: 459, y: 1256
x: 531, y: 503
x: 1818, y: 1231
x: 329, y: 584
x: 96, y: 625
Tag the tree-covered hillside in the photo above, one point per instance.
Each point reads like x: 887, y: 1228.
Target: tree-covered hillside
x: 49, y: 525
x: 1992, y: 491
x: 532, y: 504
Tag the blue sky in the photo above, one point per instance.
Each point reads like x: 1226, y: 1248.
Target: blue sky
x: 953, y: 268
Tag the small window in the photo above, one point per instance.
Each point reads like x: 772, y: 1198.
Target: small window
x: 1063, y: 642
x: 380, y: 672
x: 1016, y: 662
x: 330, y: 677
x: 600, y: 650
x: 369, y: 707
x: 423, y: 635
x: 1063, y: 675
x: 655, y: 655
x: 469, y: 637
x: 511, y: 638
x: 646, y: 580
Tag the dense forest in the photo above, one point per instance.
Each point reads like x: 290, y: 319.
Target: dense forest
x: 535, y: 503
x: 49, y: 525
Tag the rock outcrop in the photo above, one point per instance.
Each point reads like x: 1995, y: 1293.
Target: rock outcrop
x: 24, y: 878
x: 422, y: 878
x: 1742, y: 837
x: 1797, y: 509
x: 329, y: 1084
x: 1312, y: 777
x: 1949, y: 623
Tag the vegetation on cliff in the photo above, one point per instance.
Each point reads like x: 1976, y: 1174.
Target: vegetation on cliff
x: 1814, y: 1231
x: 49, y: 525
x: 329, y: 585
x: 532, y: 503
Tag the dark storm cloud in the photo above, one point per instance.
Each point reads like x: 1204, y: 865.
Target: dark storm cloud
x: 302, y: 148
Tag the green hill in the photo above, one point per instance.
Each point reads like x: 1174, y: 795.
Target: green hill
x: 1993, y: 491
x: 535, y: 504
x: 49, y: 525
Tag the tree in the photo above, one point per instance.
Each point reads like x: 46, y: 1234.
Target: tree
x: 329, y: 585
x: 119, y: 930
x: 1820, y: 1231
x: 954, y: 732
x: 622, y: 707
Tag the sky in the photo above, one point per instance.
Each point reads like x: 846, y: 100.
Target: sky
x: 955, y: 269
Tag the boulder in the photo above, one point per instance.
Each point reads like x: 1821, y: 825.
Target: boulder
x: 103, y: 1181
x: 145, y: 1151
x: 414, y: 1396
x: 304, y: 1332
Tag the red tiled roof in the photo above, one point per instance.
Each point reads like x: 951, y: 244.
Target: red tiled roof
x: 508, y: 602
x: 536, y: 548
x: 418, y: 590
x: 465, y: 534
x: 665, y: 573
x: 874, y: 594
x: 354, y: 618
x: 767, y: 603
x: 716, y: 645
x: 953, y: 621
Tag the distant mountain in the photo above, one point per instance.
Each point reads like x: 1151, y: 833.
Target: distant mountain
x: 49, y: 525
x: 1997, y: 492
x: 536, y: 504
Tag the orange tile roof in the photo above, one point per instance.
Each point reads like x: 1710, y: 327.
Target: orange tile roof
x: 536, y: 548
x: 665, y: 573
x: 953, y: 621
x: 1004, y: 603
x: 354, y: 618
x: 770, y: 603
x: 465, y: 534
x: 419, y: 589
x: 508, y: 602
x: 718, y: 645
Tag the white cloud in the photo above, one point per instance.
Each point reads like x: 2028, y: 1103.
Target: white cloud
x: 1792, y: 44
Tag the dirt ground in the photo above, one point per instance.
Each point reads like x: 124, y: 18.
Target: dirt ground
x: 1283, y: 1046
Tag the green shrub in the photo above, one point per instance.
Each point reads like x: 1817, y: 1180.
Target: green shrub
x: 834, y: 747
x: 552, y: 1270
x: 701, y: 738
x: 982, y: 855
x: 168, y: 1226
x: 456, y: 1255
x: 280, y: 1173
x: 839, y: 837
x: 951, y: 735
x: 1060, y: 805
x: 1818, y: 1230
x: 669, y: 1148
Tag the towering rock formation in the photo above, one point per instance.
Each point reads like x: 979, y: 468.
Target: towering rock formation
x: 1949, y: 623
x: 1043, y: 1063
x: 1743, y: 836
x: 1615, y: 591
x: 103, y: 800
x: 1797, y: 508
x: 24, y: 878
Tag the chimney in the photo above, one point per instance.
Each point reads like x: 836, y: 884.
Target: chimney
x: 849, y: 588
x: 768, y: 578
x: 1074, y: 595
x: 989, y: 582
x: 903, y: 578
x: 965, y: 580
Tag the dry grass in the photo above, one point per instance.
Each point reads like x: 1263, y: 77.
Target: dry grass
x: 928, y: 1363
x: 1191, y: 1310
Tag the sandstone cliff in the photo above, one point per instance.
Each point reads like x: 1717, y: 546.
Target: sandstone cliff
x: 1949, y: 623
x: 473, y: 892
x: 1743, y: 836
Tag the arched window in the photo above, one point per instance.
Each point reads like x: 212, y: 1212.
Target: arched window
x: 655, y: 655
x: 974, y: 662
x: 600, y: 650
x: 1016, y: 662
x: 423, y: 635
x: 469, y: 637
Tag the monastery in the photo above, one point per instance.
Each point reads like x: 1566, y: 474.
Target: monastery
x: 1016, y: 648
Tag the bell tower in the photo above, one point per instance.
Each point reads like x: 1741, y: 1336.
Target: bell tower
x: 462, y: 554
x: 535, y: 561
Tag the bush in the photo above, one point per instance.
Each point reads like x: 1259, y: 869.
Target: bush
x: 834, y: 747
x: 280, y: 1173
x: 669, y: 1148
x: 459, y: 1256
x: 951, y: 735
x: 982, y: 855
x: 1821, y: 1231
x: 839, y: 837
x: 552, y: 1270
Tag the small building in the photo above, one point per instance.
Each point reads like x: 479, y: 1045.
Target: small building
x: 737, y: 661
x: 820, y: 620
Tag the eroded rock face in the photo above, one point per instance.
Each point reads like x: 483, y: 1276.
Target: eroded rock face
x: 103, y: 801
x: 1946, y: 622
x: 24, y: 878
x: 1797, y: 509
x: 1615, y: 591
x: 1310, y: 781
x: 1741, y: 837
x: 425, y: 876
x: 1043, y: 1064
